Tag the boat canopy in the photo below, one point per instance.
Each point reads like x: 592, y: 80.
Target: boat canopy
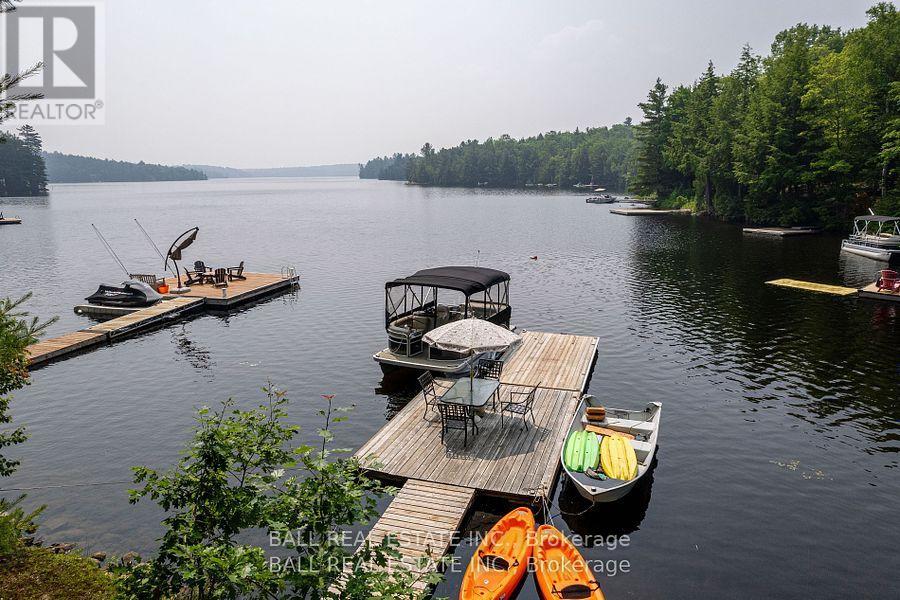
x: 467, y: 280
x: 876, y: 218
x: 413, y: 301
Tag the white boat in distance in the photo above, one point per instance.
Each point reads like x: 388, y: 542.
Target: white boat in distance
x: 642, y: 424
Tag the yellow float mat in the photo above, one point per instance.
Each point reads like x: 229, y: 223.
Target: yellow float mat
x: 814, y: 287
x: 617, y: 458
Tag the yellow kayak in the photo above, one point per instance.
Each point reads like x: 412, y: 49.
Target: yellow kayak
x: 617, y: 458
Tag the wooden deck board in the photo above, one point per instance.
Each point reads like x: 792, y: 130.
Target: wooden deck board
x: 239, y: 290
x: 49, y: 349
x: 503, y: 459
x: 552, y: 360
x: 423, y: 519
x: 871, y: 291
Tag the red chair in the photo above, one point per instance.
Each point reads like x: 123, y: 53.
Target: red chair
x: 887, y: 280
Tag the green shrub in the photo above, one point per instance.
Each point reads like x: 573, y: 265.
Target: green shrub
x: 241, y: 474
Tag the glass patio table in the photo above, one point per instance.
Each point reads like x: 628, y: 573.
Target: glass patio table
x: 473, y: 393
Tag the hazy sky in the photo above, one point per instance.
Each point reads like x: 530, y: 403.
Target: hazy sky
x: 277, y: 83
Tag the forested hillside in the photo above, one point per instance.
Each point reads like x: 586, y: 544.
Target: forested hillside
x: 810, y: 134
x: 22, y: 170
x: 394, y: 167
x: 71, y: 168
x: 602, y: 155
x: 339, y: 170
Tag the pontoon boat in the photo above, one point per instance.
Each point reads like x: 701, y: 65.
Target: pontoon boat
x: 876, y: 237
x: 430, y: 298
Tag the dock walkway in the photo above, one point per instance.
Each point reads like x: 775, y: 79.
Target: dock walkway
x: 423, y: 518
x: 158, y: 314
x: 505, y: 459
x: 781, y: 231
x: 634, y: 212
x: 171, y: 308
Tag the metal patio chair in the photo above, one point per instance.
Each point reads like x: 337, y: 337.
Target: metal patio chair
x: 520, y: 403
x: 429, y: 392
x: 487, y: 368
x: 456, y: 416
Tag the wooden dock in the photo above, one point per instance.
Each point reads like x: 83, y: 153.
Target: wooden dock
x: 873, y: 293
x: 781, y: 231
x: 503, y: 460
x: 634, y: 212
x: 168, y: 310
x: 810, y: 286
x: 139, y: 320
x: 423, y: 528
x: 256, y: 285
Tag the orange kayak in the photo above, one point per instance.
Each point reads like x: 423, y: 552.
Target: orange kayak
x: 560, y: 569
x: 501, y: 560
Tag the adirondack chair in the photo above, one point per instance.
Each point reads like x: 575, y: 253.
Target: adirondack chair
x: 887, y: 281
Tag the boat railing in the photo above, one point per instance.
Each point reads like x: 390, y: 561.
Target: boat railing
x: 873, y: 240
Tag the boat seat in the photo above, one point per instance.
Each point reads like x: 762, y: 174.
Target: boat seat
x: 628, y: 425
x: 641, y: 449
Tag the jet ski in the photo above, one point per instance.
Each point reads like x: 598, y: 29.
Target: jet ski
x: 130, y: 294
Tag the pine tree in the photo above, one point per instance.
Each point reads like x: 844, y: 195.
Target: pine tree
x: 36, y: 170
x: 651, y: 136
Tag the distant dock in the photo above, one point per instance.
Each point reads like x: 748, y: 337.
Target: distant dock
x: 131, y: 321
x: 781, y: 231
x: 503, y: 460
x: 634, y: 212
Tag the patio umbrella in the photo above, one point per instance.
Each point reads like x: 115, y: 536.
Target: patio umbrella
x: 471, y: 336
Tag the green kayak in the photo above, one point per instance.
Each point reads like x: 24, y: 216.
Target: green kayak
x: 582, y: 451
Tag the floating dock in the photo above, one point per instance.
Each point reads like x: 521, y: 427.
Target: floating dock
x: 503, y: 460
x: 781, y: 231
x: 634, y: 212
x: 873, y: 293
x: 130, y: 321
x: 810, y: 286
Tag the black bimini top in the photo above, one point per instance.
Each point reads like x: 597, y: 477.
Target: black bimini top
x: 467, y: 280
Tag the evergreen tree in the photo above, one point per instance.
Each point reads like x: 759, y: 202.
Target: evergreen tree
x: 36, y: 174
x: 651, y: 136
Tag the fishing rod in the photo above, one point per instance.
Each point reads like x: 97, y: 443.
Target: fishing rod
x: 110, y: 250
x: 152, y: 243
x: 149, y: 239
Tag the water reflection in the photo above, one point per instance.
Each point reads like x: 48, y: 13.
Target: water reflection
x: 197, y: 355
x: 618, y: 518
x: 707, y: 293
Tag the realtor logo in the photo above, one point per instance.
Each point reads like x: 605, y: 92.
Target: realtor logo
x: 65, y: 38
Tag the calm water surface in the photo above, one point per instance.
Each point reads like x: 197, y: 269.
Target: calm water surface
x: 777, y: 470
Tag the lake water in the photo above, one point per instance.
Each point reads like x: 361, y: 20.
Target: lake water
x: 777, y: 470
